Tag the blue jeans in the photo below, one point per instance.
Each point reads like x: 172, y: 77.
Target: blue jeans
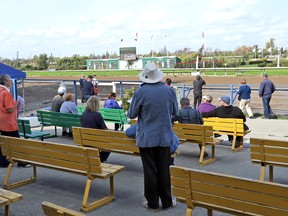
x: 266, y: 107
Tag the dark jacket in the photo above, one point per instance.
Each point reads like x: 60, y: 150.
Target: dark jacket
x: 226, y: 112
x: 88, y: 88
x: 197, y: 86
x: 266, y: 88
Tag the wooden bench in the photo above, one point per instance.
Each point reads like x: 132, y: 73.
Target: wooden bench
x: 8, y: 197
x: 115, y: 116
x: 74, y: 159
x: 107, y: 140
x: 51, y: 209
x: 229, y: 194
x: 269, y: 152
x: 57, y: 119
x: 197, y: 134
x: 228, y: 126
x: 25, y: 131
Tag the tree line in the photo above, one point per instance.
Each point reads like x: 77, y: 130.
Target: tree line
x: 242, y: 55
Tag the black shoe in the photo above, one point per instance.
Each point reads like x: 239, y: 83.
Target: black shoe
x: 206, y: 154
x: 217, y: 135
x: 251, y: 117
x: 64, y: 133
x: 237, y: 144
x: 70, y: 134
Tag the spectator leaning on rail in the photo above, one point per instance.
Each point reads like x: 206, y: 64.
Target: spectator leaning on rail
x: 154, y: 104
x: 197, y: 90
x: 227, y: 111
x: 266, y: 90
x: 88, y: 87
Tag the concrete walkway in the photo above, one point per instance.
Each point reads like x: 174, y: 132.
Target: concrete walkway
x: 67, y: 190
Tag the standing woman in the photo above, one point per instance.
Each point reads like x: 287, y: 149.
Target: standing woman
x: 91, y: 118
x: 8, y: 116
x: 245, y: 95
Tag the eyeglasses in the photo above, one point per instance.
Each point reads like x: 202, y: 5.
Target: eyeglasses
x: 9, y: 80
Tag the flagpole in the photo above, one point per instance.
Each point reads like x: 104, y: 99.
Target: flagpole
x: 167, y: 45
x: 152, y: 45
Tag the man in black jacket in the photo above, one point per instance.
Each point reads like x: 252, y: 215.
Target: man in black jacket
x: 197, y: 90
x: 227, y: 111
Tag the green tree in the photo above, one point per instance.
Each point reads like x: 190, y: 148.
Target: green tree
x: 42, y: 62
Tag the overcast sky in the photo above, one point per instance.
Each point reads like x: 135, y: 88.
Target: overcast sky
x: 65, y: 28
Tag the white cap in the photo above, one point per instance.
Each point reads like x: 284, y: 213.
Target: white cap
x: 61, y: 90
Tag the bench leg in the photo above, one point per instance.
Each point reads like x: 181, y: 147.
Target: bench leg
x: 270, y: 173
x: 262, y: 173
x: 19, y: 183
x: 208, y: 161
x: 7, y: 210
x: 209, y: 212
x: 189, y: 211
x: 86, y: 207
x: 233, y: 145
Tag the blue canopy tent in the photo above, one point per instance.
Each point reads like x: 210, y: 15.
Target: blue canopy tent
x: 14, y: 74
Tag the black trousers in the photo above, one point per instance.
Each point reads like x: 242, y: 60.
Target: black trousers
x: 197, y: 100
x: 157, y: 183
x: 3, y: 161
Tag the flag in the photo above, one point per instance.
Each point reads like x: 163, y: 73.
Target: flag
x: 121, y: 39
x: 270, y: 49
x: 151, y: 37
x: 254, y: 49
x: 202, y: 34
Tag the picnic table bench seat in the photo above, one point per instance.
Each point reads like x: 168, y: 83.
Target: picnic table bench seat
x: 7, y: 197
x: 114, y: 116
x: 73, y: 159
x: 25, y: 130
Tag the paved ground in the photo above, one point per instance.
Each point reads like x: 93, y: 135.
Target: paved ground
x: 67, y: 189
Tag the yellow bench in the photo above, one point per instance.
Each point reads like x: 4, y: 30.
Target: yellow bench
x: 229, y: 194
x: 8, y: 197
x: 197, y: 134
x: 74, y: 159
x: 107, y: 140
x: 269, y: 152
x: 51, y: 209
x: 228, y: 126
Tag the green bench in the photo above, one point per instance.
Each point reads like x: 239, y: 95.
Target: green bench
x: 25, y: 131
x: 57, y: 119
x: 115, y: 116
x: 81, y: 109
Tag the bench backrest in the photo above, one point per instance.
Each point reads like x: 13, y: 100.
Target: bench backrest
x: 105, y: 140
x: 58, y: 119
x: 51, y: 209
x: 81, y: 109
x: 194, y: 133
x: 269, y: 151
x: 229, y: 193
x: 24, y: 126
x: 113, y: 115
x: 58, y: 156
x: 229, y: 126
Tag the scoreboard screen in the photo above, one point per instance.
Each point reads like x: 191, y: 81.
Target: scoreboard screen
x: 127, y: 53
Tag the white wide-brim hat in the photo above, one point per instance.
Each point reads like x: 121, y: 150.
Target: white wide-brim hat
x: 151, y: 74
